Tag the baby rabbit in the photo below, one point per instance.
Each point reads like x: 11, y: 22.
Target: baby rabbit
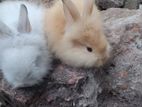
x: 74, y: 33
x: 24, y: 58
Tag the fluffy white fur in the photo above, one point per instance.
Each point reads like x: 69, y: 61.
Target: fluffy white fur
x: 9, y: 12
x: 24, y: 57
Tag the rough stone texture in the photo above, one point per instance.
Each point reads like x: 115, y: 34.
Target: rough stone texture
x: 67, y: 87
x: 125, y: 31
x: 7, y: 101
x: 130, y: 4
x: 105, y: 4
x: 117, y: 84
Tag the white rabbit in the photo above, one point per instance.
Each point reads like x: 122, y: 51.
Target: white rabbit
x: 24, y: 57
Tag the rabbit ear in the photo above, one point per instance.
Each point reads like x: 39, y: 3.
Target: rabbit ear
x: 4, y: 29
x: 24, y: 25
x: 70, y: 11
x: 88, y: 7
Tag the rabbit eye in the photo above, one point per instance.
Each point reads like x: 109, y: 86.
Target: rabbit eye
x: 89, y: 49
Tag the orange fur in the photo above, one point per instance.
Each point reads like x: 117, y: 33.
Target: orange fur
x: 69, y: 42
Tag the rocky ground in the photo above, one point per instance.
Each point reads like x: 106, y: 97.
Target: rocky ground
x: 131, y: 4
x: 117, y: 84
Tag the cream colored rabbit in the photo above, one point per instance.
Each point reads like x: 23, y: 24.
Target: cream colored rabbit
x: 74, y: 33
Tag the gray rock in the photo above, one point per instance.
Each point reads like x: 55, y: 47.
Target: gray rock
x: 132, y: 4
x: 125, y: 33
x: 105, y: 4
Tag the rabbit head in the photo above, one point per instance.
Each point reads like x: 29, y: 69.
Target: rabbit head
x: 84, y: 43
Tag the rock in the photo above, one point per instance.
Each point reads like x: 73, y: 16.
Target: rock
x: 125, y: 34
x: 21, y: 95
x: 117, y: 84
x: 132, y: 4
x: 105, y: 4
x: 7, y: 101
x: 67, y: 86
x: 72, y: 87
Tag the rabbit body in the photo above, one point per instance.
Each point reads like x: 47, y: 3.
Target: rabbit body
x: 74, y: 33
x: 25, y: 59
